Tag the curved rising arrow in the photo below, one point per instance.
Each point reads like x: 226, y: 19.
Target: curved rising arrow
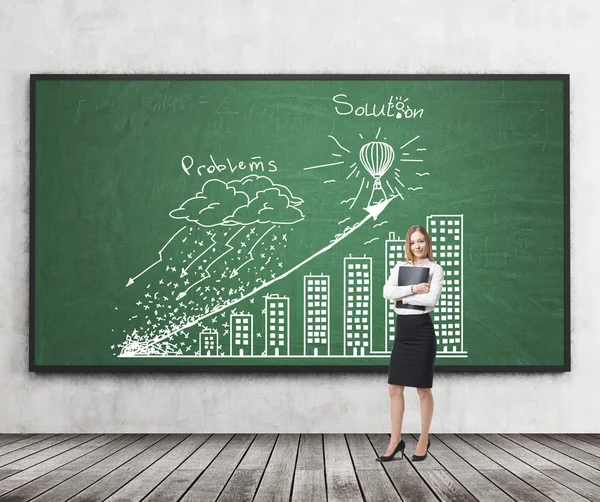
x: 373, y: 212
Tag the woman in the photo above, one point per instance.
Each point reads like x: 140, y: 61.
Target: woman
x: 413, y: 354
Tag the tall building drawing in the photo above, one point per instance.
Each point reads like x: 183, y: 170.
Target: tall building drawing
x: 394, y: 253
x: 240, y: 337
x: 277, y: 325
x: 447, y: 235
x: 208, y: 342
x: 316, y: 315
x: 358, y: 306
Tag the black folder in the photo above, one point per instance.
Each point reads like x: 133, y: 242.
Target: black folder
x: 407, y: 276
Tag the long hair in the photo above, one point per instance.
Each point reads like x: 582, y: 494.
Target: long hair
x: 412, y: 230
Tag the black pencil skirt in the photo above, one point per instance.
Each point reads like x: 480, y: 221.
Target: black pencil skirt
x: 413, y: 354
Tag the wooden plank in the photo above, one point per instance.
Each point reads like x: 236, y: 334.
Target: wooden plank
x: 12, y: 438
x: 403, y: 475
x: 577, y: 443
x: 22, y: 443
x: 82, y: 480
x: 51, y: 452
x: 475, y: 482
x: 243, y: 483
x: 32, y: 449
x: 309, y: 478
x: 310, y: 452
x: 469, y: 454
x: 276, y: 484
x: 376, y: 486
x: 516, y: 488
x: 52, y: 479
x: 337, y: 454
x: 563, y: 476
x: 445, y: 486
x: 536, y: 479
x: 143, y: 484
x: 309, y: 486
x: 527, y: 456
x: 179, y: 481
x: 258, y: 454
x: 213, y: 480
x: 109, y: 484
x: 372, y: 478
x: 342, y: 484
x: 7, y: 473
x: 29, y: 474
x: 560, y: 459
x: 588, y: 438
x: 362, y: 452
x: 567, y: 449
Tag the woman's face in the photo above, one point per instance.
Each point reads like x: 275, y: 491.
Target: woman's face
x: 418, y: 245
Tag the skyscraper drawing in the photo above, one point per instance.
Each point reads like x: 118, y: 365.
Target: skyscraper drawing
x: 394, y: 253
x: 240, y: 338
x: 277, y: 325
x: 447, y: 235
x: 207, y: 342
x: 316, y: 315
x: 358, y: 306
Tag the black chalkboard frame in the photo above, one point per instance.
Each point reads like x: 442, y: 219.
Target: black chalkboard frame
x: 43, y: 368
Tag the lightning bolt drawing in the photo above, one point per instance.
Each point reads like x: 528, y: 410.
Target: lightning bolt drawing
x: 206, y: 274
x: 236, y: 270
x: 184, y: 270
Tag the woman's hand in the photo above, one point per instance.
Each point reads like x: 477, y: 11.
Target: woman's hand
x: 420, y: 289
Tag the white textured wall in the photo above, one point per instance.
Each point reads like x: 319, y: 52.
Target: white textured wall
x: 296, y: 36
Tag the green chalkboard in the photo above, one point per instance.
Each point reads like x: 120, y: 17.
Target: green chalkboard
x: 250, y: 222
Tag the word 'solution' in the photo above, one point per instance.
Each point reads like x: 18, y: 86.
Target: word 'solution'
x: 396, y: 107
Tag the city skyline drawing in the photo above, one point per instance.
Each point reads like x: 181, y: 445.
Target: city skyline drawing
x: 233, y: 264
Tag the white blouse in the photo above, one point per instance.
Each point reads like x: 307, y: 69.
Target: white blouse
x: 393, y: 292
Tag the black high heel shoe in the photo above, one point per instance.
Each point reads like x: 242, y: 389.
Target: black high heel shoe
x: 418, y: 458
x: 399, y: 448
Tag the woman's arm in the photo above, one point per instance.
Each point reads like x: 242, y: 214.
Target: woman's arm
x: 435, y: 290
x: 391, y: 290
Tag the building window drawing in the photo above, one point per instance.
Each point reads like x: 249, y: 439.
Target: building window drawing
x: 357, y: 305
x: 316, y: 315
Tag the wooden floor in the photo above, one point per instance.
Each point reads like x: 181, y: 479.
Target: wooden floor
x: 307, y: 467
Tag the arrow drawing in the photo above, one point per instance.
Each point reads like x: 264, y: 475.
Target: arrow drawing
x: 132, y: 280
x: 373, y: 212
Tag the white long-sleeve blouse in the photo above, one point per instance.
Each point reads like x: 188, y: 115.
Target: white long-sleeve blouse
x: 393, y: 292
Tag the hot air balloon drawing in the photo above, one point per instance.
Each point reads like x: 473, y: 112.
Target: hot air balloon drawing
x: 376, y: 157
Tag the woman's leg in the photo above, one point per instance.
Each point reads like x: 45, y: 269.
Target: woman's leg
x: 426, y: 406
x: 396, y: 415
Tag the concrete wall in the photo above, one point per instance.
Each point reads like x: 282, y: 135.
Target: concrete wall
x: 293, y: 36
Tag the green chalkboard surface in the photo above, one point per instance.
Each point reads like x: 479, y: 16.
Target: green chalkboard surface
x: 250, y: 222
